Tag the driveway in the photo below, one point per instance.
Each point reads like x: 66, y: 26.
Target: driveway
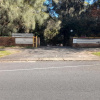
x: 53, y: 53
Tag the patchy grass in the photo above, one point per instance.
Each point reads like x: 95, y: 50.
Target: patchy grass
x: 6, y: 52
x: 14, y: 47
x: 2, y: 47
x: 97, y: 53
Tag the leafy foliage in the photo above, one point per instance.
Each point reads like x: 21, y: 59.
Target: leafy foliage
x: 21, y: 15
x: 52, y: 29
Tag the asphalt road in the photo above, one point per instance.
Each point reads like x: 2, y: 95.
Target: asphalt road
x: 68, y: 80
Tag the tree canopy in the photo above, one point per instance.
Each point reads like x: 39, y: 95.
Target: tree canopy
x: 21, y: 15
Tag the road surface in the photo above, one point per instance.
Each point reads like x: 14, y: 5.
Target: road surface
x: 52, y: 80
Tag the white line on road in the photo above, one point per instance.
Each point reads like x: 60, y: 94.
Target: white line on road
x: 46, y: 68
x: 16, y: 61
x: 36, y: 69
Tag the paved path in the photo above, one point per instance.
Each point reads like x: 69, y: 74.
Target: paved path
x: 52, y: 53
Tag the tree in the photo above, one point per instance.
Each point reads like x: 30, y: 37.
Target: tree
x: 21, y: 15
x: 69, y: 12
x: 75, y: 16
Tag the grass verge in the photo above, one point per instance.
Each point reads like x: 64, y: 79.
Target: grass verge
x: 97, y: 53
x: 2, y: 47
x: 5, y: 53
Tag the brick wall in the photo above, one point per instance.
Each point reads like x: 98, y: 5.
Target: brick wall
x: 7, y: 41
x: 10, y: 41
x: 84, y: 44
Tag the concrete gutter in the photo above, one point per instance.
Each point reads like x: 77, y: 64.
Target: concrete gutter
x: 50, y: 59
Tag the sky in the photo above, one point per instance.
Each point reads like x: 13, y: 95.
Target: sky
x: 89, y: 2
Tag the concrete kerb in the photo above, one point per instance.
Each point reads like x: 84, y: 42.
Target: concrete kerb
x: 50, y: 59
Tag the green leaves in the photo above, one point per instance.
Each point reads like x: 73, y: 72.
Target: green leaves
x: 21, y: 14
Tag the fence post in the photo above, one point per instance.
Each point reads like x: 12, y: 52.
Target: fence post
x: 35, y: 41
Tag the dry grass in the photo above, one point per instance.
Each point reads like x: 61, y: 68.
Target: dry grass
x: 6, y: 52
x: 97, y: 53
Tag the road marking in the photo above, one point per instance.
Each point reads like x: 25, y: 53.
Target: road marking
x: 36, y: 69
x: 46, y: 68
x: 15, y: 61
